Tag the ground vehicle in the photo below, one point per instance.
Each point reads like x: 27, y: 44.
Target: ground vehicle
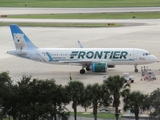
x: 147, y: 74
x: 103, y: 110
x: 128, y: 78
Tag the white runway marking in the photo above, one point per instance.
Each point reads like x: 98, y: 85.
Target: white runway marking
x: 31, y: 73
x: 19, y: 66
x: 112, y: 40
x: 108, y: 42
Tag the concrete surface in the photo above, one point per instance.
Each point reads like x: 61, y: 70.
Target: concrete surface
x: 14, y: 10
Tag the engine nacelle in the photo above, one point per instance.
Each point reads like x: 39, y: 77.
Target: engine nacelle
x: 99, y: 67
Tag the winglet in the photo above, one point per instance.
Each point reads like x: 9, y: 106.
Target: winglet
x: 81, y: 46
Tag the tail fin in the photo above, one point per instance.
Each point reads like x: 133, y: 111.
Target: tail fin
x: 21, y: 41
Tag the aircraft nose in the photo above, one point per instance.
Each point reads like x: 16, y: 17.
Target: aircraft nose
x: 154, y: 59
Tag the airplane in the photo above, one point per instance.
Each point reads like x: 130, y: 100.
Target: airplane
x: 91, y: 59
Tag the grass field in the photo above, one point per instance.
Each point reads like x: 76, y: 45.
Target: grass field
x: 61, y: 24
x: 91, y: 16
x: 81, y: 16
x: 79, y: 3
x: 81, y: 114
x: 99, y: 115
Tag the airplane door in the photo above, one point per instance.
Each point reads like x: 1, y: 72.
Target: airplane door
x: 135, y: 54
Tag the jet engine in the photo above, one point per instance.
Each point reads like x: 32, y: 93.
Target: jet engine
x: 99, y: 67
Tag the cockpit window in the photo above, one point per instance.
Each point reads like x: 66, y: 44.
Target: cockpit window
x: 145, y: 54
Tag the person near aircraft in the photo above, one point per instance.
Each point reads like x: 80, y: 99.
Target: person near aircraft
x: 70, y: 76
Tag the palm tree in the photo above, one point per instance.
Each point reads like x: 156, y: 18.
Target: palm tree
x: 135, y: 102
x: 5, y: 83
x: 85, y: 101
x: 95, y: 94
x: 59, y: 101
x: 75, y: 90
x: 117, y: 87
x: 154, y: 103
x: 6, y: 99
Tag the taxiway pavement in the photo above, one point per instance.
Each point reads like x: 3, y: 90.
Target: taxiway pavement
x: 14, y: 10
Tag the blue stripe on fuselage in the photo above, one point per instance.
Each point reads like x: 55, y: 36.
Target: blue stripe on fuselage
x: 50, y: 58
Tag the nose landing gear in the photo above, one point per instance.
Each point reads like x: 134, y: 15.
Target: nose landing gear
x: 135, y: 70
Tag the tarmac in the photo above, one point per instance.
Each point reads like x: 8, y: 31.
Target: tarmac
x: 145, y: 37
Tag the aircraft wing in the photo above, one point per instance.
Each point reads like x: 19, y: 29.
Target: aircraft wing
x: 82, y: 61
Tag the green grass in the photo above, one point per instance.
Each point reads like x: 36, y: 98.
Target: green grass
x: 7, y: 119
x: 61, y: 24
x: 91, y: 16
x: 99, y: 115
x: 83, y: 4
x: 79, y: 3
x: 81, y: 114
x: 81, y: 16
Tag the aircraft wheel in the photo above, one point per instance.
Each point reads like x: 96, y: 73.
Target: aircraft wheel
x: 88, y: 69
x: 136, y: 70
x: 82, y: 71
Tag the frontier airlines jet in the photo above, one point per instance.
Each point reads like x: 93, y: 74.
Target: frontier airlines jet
x: 91, y: 59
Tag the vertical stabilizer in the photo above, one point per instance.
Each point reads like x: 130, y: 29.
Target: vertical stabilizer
x: 21, y: 41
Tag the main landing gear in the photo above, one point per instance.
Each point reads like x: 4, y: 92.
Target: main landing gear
x: 82, y: 71
x: 88, y: 68
x: 135, y: 70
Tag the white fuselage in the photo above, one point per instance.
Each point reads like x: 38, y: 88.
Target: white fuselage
x: 113, y: 56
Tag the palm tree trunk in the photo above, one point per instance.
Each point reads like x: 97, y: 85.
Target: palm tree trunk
x: 55, y: 117
x: 137, y: 116
x: 116, y: 112
x: 95, y: 111
x: 75, y: 111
